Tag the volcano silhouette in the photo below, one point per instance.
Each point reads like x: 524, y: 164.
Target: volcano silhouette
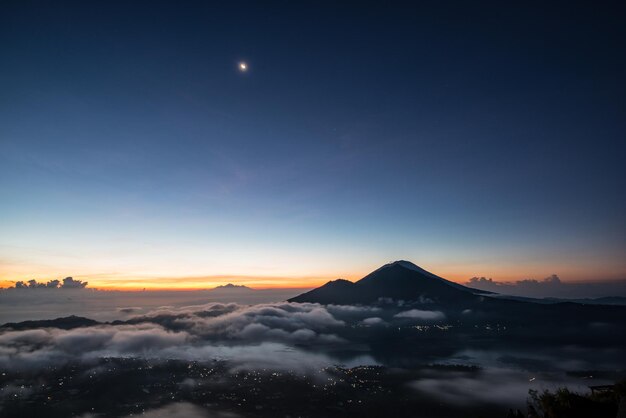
x: 400, y: 280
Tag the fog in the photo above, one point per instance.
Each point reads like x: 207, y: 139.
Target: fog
x: 458, y: 357
x: 262, y: 335
x: 33, y: 304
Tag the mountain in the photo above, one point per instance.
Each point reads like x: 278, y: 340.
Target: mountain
x: 400, y: 280
x: 402, y: 285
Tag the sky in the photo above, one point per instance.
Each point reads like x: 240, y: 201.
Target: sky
x: 474, y: 140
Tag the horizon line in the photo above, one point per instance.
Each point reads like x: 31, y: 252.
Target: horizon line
x: 137, y: 284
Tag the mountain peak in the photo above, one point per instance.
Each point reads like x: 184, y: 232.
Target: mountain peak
x: 409, y: 266
x: 405, y: 264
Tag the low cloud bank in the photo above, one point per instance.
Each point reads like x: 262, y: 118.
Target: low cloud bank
x: 37, y: 303
x: 373, y: 321
x: 185, y: 410
x: 250, y: 335
x: 177, y: 410
x: 551, y: 286
x: 421, y: 315
x: 503, y: 387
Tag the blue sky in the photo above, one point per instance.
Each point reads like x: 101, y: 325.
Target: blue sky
x: 473, y: 141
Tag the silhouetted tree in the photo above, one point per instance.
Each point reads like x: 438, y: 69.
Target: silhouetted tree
x: 565, y: 404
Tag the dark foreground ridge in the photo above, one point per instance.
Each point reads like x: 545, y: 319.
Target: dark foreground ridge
x: 153, y: 388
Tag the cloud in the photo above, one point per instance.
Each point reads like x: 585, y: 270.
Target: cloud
x: 352, y: 309
x: 129, y: 309
x: 551, y: 286
x: 18, y: 305
x: 264, y: 355
x: 421, y: 315
x: 466, y: 388
x: 68, y: 283
x: 35, y: 348
x: 496, y: 386
x: 284, y: 322
x: 421, y: 299
x: 373, y: 321
x: 546, y: 284
x: 185, y: 410
x: 197, y: 332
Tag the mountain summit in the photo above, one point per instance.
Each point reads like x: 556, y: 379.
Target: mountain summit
x: 399, y: 280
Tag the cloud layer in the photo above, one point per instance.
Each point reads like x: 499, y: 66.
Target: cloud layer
x: 489, y: 386
x: 259, y: 334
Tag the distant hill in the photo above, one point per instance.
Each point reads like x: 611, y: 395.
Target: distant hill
x: 68, y: 322
x: 231, y: 288
x: 400, y: 280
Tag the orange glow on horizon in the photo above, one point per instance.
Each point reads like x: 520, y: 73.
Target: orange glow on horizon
x: 118, y: 283
x: 122, y: 282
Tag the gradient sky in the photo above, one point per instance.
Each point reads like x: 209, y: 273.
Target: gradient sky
x: 473, y: 141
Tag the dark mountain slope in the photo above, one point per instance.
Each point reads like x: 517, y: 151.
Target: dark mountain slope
x: 340, y: 292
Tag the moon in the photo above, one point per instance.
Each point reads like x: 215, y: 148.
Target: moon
x: 243, y: 66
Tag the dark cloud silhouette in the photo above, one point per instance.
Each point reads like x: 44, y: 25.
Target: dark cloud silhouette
x: 68, y: 283
x: 551, y: 286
